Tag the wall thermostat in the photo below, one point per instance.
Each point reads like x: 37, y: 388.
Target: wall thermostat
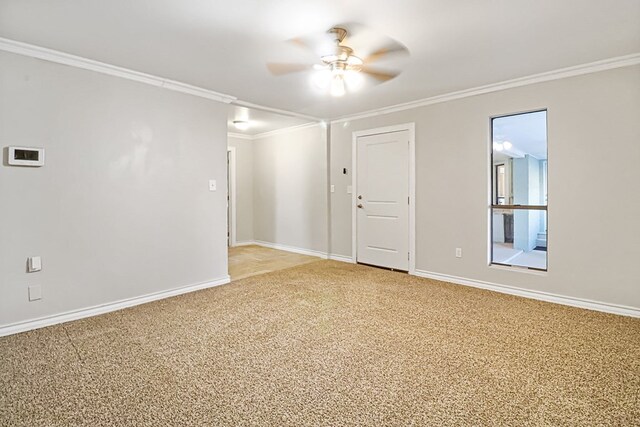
x: 26, y: 156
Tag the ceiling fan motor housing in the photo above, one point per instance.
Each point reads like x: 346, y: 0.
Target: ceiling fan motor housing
x: 339, y: 34
x: 342, y: 57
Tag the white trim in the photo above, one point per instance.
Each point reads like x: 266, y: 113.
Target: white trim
x: 562, y: 73
x: 341, y: 258
x: 354, y: 198
x: 239, y: 135
x: 58, y: 57
x: 537, y: 295
x: 412, y: 198
x: 95, y: 310
x: 285, y: 130
x: 296, y: 250
x: 274, y: 132
x: 411, y: 128
x: 293, y: 249
x: 232, y: 197
x: 275, y: 110
x: 51, y: 55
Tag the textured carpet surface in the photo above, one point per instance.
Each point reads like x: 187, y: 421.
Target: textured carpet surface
x: 328, y: 343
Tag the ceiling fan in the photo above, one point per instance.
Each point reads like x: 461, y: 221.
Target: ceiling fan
x: 340, y: 68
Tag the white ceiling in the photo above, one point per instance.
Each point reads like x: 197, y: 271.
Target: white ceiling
x: 224, y: 45
x: 527, y: 134
x: 260, y: 121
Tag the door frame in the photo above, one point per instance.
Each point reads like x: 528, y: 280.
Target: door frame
x: 412, y: 187
x: 231, y: 152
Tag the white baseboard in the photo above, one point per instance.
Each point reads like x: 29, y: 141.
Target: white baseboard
x: 341, y: 258
x: 293, y: 249
x: 68, y: 316
x: 537, y: 295
x: 245, y: 243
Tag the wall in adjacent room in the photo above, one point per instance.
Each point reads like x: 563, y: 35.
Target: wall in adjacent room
x: 244, y: 188
x: 122, y: 206
x: 290, y: 188
x: 593, y: 176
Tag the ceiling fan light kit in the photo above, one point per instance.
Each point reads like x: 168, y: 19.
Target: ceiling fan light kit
x: 340, y: 69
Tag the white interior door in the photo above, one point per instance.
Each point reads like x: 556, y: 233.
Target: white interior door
x: 382, y: 190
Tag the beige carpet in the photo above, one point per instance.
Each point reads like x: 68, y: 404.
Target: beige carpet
x: 328, y: 343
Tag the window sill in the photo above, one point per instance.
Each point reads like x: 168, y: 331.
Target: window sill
x: 518, y: 269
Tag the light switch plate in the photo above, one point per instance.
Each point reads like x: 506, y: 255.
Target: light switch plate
x: 349, y: 189
x: 212, y: 185
x: 34, y: 263
x: 333, y: 188
x: 458, y: 252
x: 35, y: 293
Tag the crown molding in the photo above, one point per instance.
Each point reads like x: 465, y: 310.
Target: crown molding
x: 58, y: 57
x: 592, y: 67
x: 239, y: 135
x: 51, y: 55
x: 287, y: 130
x: 242, y: 103
x: 275, y: 132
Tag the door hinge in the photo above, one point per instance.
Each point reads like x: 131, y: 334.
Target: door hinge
x: 409, y: 255
x: 409, y: 200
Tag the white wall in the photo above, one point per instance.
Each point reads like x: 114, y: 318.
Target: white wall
x: 290, y: 188
x: 526, y: 191
x: 122, y: 207
x: 593, y: 177
x: 244, y: 188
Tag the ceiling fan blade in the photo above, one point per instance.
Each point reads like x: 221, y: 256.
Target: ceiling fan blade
x: 304, y: 42
x: 280, y: 68
x: 318, y: 43
x: 379, y: 75
x: 395, y: 49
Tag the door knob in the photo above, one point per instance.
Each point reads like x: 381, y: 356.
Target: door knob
x: 360, y: 197
x: 360, y: 205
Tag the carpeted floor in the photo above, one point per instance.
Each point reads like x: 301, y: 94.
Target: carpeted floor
x: 328, y: 343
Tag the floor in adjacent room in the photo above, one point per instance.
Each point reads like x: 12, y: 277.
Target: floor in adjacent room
x: 328, y: 343
x: 505, y: 253
x: 251, y: 260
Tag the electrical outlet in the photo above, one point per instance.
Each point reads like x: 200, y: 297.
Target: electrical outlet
x: 35, y: 293
x: 212, y: 185
x: 458, y: 252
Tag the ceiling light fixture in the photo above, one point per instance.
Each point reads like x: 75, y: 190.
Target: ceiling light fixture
x: 337, y: 85
x: 341, y: 67
x: 340, y: 70
x: 241, y: 124
x: 339, y: 75
x: 507, y: 148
